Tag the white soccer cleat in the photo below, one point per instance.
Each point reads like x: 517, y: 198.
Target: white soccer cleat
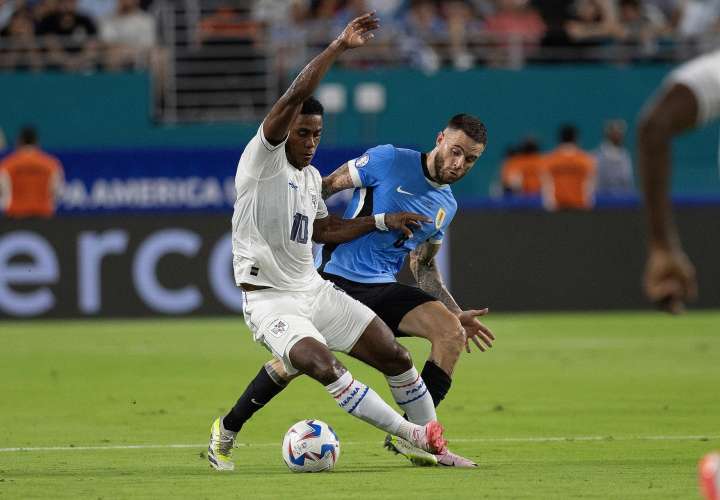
x: 220, y: 447
x: 403, y: 447
x: 450, y: 459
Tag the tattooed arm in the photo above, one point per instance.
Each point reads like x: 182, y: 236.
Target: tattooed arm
x: 277, y: 123
x: 339, y: 180
x: 427, y: 275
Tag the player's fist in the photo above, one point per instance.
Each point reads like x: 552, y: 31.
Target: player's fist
x: 405, y: 222
x: 669, y: 279
x: 359, y: 31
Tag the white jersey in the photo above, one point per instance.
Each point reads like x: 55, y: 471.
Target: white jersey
x: 272, y: 223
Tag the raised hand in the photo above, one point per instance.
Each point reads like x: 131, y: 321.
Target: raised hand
x: 358, y: 32
x: 403, y: 220
x: 669, y: 279
x: 475, y: 330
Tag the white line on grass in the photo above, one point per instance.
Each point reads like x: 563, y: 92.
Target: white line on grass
x: 549, y: 439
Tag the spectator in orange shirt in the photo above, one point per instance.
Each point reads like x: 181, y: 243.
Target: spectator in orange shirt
x: 30, y: 179
x: 521, y: 171
x: 568, y: 175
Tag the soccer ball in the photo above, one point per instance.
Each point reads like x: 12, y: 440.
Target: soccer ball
x: 310, y: 446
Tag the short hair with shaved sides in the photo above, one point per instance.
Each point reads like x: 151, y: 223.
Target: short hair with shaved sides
x: 471, y: 125
x: 312, y: 106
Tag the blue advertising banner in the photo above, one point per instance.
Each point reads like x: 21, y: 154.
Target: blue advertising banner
x: 167, y: 180
x: 147, y: 181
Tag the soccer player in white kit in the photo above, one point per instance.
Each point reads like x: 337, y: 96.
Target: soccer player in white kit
x: 689, y: 98
x: 288, y: 307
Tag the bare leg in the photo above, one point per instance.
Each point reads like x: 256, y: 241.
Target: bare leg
x: 315, y: 359
x: 378, y: 348
x: 434, y: 322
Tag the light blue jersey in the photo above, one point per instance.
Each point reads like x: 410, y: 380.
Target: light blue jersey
x: 389, y: 179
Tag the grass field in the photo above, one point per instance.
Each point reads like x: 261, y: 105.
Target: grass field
x: 565, y: 406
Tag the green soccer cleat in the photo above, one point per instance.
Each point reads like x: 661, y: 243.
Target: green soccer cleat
x: 220, y: 447
x: 403, y: 447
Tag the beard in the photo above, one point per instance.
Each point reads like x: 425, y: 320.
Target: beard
x: 438, y: 162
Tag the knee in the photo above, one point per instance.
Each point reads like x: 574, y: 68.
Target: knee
x: 325, y: 371
x: 403, y: 360
x: 450, y: 337
x: 396, y: 360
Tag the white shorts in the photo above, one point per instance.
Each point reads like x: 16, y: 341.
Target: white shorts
x: 702, y: 76
x: 279, y: 319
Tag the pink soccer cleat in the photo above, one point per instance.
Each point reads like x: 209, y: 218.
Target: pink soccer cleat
x: 450, y: 459
x: 710, y: 476
x: 430, y: 438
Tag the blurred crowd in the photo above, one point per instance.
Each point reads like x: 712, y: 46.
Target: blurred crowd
x: 464, y: 33
x: 568, y: 177
x: 81, y: 34
x: 76, y: 35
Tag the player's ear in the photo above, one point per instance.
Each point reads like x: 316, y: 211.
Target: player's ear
x: 439, y: 139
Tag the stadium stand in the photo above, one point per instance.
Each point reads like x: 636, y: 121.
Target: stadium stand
x: 218, y: 60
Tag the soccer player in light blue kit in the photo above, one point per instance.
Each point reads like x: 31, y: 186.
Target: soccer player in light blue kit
x: 388, y: 179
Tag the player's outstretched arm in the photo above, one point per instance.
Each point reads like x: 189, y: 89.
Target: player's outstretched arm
x: 669, y: 279
x: 277, y: 122
x: 333, y: 229
x: 422, y: 265
x: 338, y: 181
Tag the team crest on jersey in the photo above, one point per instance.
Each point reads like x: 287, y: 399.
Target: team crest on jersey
x: 440, y: 218
x: 278, y: 328
x: 362, y: 161
x: 314, y: 198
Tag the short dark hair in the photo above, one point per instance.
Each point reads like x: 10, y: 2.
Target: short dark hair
x: 568, y: 133
x: 312, y: 106
x: 472, y: 126
x: 28, y: 135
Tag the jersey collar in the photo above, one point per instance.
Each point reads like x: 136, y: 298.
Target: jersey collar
x: 426, y: 172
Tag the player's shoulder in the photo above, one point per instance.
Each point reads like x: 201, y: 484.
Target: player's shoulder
x: 383, y: 152
x: 406, y: 155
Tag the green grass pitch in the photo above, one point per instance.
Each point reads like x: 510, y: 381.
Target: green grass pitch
x: 564, y: 406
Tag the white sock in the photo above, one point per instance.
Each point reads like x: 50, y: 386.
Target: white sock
x: 362, y: 402
x: 412, y: 396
